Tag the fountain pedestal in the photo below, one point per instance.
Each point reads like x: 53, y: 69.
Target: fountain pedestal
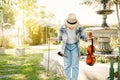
x: 104, y: 46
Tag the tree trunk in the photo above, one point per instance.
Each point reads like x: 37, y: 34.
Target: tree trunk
x: 118, y: 17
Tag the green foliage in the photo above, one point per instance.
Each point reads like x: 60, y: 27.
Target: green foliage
x: 53, y: 32
x: 53, y: 76
x: 102, y: 59
x: 115, y: 42
x: 33, y: 32
x: 39, y: 33
x: 91, y: 2
x: 111, y: 70
x: 83, y: 50
x: 26, y: 4
x: 83, y: 47
x: 36, y: 35
x: 8, y: 13
x: 26, y: 67
x: 31, y: 14
x: 36, y: 22
x: 5, y: 42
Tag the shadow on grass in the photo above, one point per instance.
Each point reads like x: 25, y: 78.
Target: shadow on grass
x: 24, y: 67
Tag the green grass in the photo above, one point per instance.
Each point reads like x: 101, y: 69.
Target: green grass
x: 26, y: 67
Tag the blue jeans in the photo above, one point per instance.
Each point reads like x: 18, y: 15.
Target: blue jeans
x: 71, y: 63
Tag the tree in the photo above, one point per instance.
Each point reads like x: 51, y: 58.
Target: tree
x: 34, y: 15
x: 8, y: 11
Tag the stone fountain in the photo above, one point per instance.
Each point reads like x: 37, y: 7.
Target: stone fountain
x: 104, y: 32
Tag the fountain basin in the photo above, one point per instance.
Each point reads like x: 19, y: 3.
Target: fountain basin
x: 105, y: 12
x: 103, y: 32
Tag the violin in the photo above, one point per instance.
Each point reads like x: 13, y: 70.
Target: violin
x: 90, y: 60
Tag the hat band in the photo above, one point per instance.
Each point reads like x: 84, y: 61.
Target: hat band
x: 71, y: 22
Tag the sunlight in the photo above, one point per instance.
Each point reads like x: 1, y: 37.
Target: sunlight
x: 85, y: 14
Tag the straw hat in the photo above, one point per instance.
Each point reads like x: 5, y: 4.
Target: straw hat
x: 71, y: 21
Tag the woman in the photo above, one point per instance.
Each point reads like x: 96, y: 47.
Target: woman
x: 70, y: 33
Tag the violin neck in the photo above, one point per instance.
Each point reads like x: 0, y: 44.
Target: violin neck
x: 92, y: 45
x: 92, y: 41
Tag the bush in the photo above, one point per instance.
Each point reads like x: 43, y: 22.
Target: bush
x: 115, y: 42
x: 28, y: 40
x: 5, y: 42
x: 83, y: 50
x: 102, y: 59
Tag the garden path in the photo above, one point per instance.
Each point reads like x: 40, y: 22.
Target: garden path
x: 96, y: 72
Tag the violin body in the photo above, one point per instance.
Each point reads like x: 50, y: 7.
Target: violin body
x: 90, y: 60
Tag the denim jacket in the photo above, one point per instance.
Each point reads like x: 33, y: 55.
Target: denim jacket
x: 63, y: 35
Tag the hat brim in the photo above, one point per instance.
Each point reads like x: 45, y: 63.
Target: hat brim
x: 71, y: 25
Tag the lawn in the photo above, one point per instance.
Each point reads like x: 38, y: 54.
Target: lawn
x: 25, y: 67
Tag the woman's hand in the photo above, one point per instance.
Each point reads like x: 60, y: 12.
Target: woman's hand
x: 89, y: 38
